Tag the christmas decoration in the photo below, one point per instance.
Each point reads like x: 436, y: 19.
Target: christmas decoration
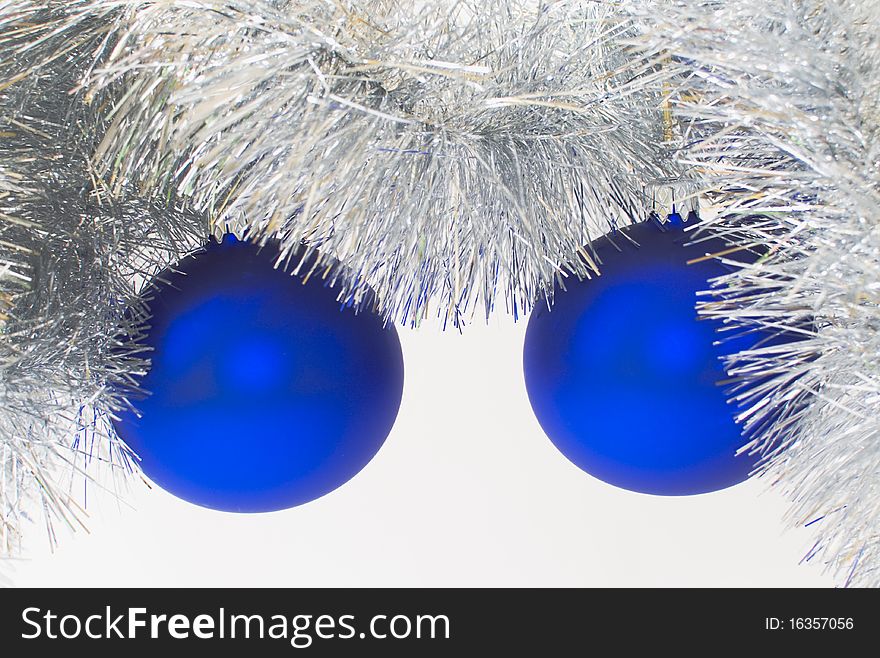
x: 779, y: 107
x: 623, y: 377
x: 263, y: 394
x: 455, y: 158
x: 444, y: 156
x: 72, y: 260
x: 448, y: 153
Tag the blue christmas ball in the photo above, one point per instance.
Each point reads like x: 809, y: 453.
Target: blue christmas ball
x: 626, y: 381
x: 264, y: 391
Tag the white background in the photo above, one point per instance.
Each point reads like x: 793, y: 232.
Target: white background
x: 467, y: 491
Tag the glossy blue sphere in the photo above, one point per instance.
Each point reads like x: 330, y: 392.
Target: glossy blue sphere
x: 625, y: 380
x: 264, y: 392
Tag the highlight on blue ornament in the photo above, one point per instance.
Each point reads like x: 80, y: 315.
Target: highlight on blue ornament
x: 626, y: 381
x: 264, y: 391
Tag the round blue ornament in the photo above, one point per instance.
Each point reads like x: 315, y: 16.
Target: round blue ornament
x: 264, y: 391
x: 623, y: 377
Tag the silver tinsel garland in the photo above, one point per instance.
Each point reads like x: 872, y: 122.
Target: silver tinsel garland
x: 780, y: 103
x: 453, y: 156
x: 447, y: 154
x: 72, y: 261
